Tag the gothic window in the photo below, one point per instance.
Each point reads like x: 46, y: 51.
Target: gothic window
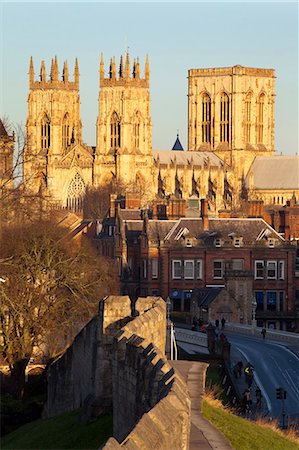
x: 45, y: 133
x: 75, y: 194
x: 65, y: 131
x: 224, y: 118
x: 136, y: 131
x: 115, y: 131
x: 206, y: 119
x: 260, y: 118
x: 247, y: 118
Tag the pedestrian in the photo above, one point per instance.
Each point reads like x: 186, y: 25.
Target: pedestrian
x: 246, y: 401
x: 263, y: 332
x: 240, y: 367
x: 194, y: 324
x: 258, y: 396
x: 223, y: 323
x: 217, y: 323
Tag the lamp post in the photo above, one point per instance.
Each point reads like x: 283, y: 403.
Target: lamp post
x: 253, y: 321
x: 168, y: 306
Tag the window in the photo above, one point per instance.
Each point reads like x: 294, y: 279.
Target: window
x: 154, y: 268
x: 217, y: 242
x: 218, y: 269
x: 224, y: 118
x: 144, y: 266
x: 281, y: 297
x: 198, y: 271
x: 271, y: 300
x: 176, y: 269
x: 206, y: 119
x: 115, y: 131
x: 258, y: 270
x: 189, y: 242
x: 271, y: 242
x: 238, y: 242
x: 271, y: 270
x: 238, y: 264
x: 247, y: 123
x: 45, y: 133
x: 259, y: 297
x: 130, y: 262
x: 260, y: 118
x: 65, y: 131
x: 188, y: 269
x: 281, y: 270
x: 110, y: 230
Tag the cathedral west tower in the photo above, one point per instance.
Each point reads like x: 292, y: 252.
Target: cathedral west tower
x: 124, y: 127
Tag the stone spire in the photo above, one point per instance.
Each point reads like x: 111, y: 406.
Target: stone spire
x: 121, y: 68
x: 147, y: 69
x: 65, y: 73
x: 137, y: 70
x: 43, y: 71
x: 31, y: 72
x: 54, y: 70
x: 113, y: 68
x: 102, y: 68
x: 76, y: 72
x: 127, y: 67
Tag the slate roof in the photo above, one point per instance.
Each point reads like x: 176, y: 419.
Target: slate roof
x: 275, y: 172
x: 205, y: 296
x: 177, y: 145
x: 249, y: 228
x: 184, y: 158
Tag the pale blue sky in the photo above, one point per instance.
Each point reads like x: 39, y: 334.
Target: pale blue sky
x: 177, y: 36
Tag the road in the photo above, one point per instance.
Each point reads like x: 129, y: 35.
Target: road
x: 275, y: 366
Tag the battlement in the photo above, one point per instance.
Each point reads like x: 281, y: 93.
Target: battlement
x: 124, y: 77
x: 235, y: 70
x: 53, y: 82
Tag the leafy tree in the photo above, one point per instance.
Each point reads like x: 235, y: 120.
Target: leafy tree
x: 49, y: 288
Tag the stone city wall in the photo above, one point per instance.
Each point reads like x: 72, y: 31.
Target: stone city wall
x: 151, y: 403
x: 119, y: 361
x: 84, y: 370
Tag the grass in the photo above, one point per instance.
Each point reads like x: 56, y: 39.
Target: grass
x: 246, y: 435
x: 60, y: 432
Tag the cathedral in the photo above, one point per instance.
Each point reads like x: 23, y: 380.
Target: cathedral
x: 230, y: 155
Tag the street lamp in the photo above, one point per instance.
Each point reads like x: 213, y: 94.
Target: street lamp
x: 168, y: 306
x: 253, y: 321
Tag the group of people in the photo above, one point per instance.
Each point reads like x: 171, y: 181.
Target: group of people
x: 247, y: 401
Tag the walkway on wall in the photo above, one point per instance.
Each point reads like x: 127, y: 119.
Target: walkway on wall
x: 204, y: 435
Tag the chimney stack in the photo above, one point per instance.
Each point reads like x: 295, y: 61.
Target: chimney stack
x: 204, y: 213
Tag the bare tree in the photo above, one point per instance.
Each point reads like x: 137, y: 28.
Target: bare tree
x: 48, y: 288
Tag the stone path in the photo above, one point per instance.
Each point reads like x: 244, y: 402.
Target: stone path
x: 203, y: 436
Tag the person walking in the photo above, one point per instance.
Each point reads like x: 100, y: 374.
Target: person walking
x: 263, y: 332
x: 223, y: 323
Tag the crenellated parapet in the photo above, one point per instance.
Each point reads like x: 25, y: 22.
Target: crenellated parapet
x: 123, y: 76
x: 53, y: 81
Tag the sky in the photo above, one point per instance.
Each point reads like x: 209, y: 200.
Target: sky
x: 177, y: 36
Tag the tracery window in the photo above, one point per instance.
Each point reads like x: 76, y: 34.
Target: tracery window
x: 115, y: 131
x: 65, y: 131
x: 75, y: 193
x: 136, y: 131
x: 45, y: 133
x: 224, y: 118
x: 248, y: 118
x: 260, y: 118
x: 206, y: 118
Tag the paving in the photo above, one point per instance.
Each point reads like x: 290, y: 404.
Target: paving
x: 203, y: 435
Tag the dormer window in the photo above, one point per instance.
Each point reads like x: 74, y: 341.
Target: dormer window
x: 238, y: 242
x: 189, y: 242
x: 217, y: 242
x: 271, y: 243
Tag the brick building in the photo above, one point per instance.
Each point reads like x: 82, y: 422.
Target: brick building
x: 174, y: 257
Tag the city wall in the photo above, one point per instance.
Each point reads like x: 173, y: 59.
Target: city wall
x: 119, y: 361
